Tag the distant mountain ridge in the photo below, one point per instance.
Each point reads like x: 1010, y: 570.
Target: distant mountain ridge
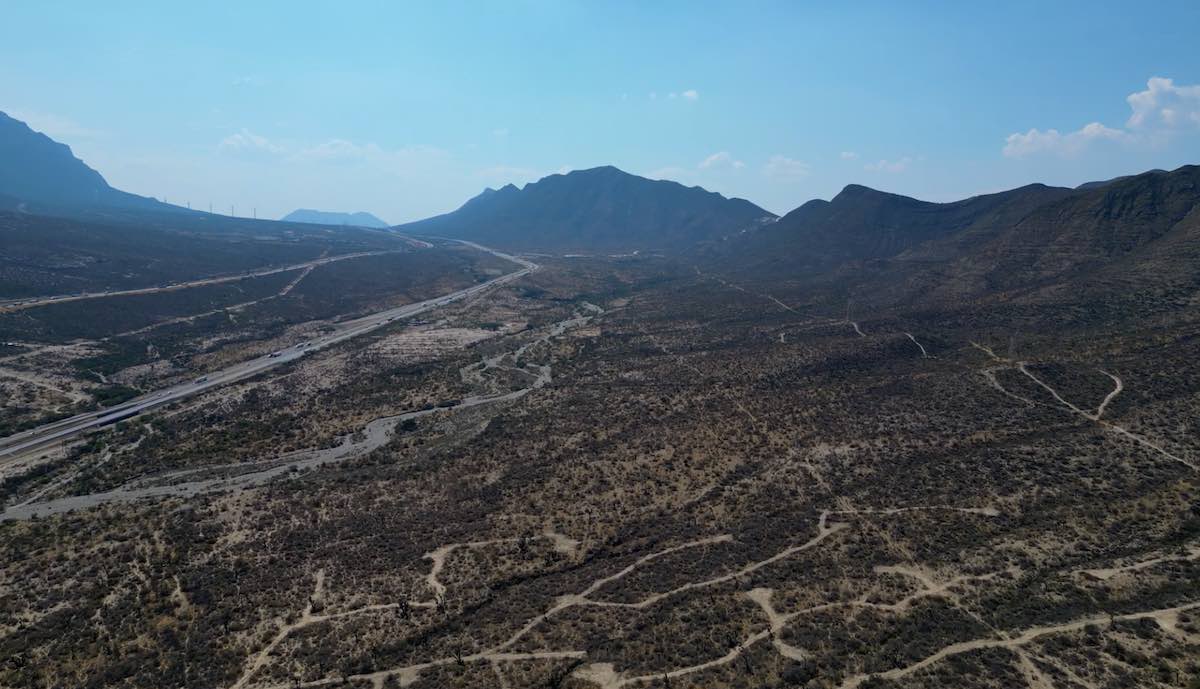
x: 600, y: 208
x: 862, y: 224
x: 38, y: 171
x: 315, y: 217
x: 1110, y: 240
x: 1105, y: 182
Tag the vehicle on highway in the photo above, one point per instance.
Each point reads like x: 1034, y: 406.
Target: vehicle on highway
x: 201, y: 379
x: 274, y: 355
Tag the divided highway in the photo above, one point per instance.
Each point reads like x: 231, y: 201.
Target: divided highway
x: 65, y: 429
x: 33, y: 302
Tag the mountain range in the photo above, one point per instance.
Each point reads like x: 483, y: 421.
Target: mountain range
x: 314, y: 217
x: 1140, y: 229
x: 601, y: 208
x: 1123, y: 249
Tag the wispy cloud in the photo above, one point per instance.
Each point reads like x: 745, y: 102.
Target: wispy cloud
x: 721, y: 159
x: 783, y: 167
x: 849, y: 155
x: 406, y: 161
x: 889, y: 166
x: 1052, y: 141
x: 691, y: 95
x: 247, y: 141
x: 339, y: 149
x: 672, y: 172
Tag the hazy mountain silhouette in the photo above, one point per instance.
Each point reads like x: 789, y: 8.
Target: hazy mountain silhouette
x: 360, y: 219
x: 599, y: 208
x: 40, y: 173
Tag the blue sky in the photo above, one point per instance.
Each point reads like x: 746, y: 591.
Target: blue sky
x: 406, y: 110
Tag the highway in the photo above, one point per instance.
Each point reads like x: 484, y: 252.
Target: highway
x: 34, y: 302
x: 42, y: 436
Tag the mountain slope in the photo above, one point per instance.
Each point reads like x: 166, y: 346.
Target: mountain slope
x: 314, y: 217
x: 1122, y: 249
x: 38, y: 172
x: 1094, y: 232
x: 600, y: 208
x: 1105, y: 182
x: 862, y: 224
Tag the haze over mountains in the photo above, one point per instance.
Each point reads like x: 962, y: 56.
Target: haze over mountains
x: 314, y: 217
x: 41, y: 172
x: 63, y: 229
x: 1017, y: 239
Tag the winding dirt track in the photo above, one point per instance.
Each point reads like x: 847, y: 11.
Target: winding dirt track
x: 1119, y: 386
x: 1017, y: 639
x: 602, y: 674
x: 924, y: 354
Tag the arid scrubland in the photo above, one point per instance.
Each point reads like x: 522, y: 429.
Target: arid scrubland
x: 599, y: 476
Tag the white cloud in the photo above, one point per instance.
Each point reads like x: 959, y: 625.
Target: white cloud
x: 691, y: 94
x: 720, y: 159
x: 54, y: 126
x: 246, y: 140
x: 653, y: 96
x: 892, y: 166
x: 1164, y: 104
x: 780, y: 166
x: 1052, y: 141
x: 672, y: 95
x: 849, y: 155
x: 1158, y: 112
x: 500, y: 133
